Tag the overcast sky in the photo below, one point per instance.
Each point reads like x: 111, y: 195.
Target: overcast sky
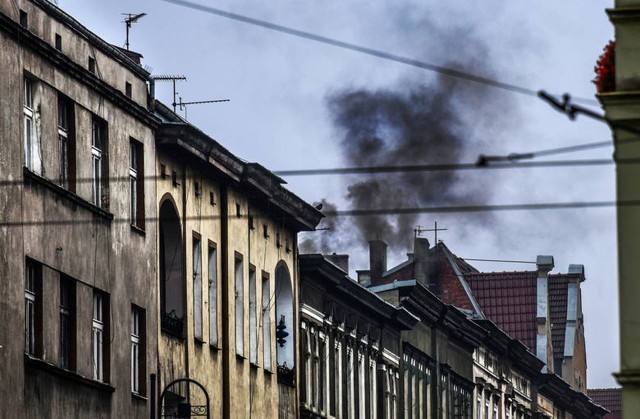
x: 298, y: 104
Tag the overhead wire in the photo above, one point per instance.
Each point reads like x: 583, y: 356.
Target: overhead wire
x: 370, y: 212
x: 447, y: 71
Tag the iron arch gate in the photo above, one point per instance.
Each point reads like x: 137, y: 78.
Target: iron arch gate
x: 176, y: 406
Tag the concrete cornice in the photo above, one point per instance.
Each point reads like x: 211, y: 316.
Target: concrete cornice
x: 621, y: 14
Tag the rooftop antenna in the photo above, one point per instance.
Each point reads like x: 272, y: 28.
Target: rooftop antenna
x: 419, y: 230
x: 131, y: 18
x: 183, y: 105
x: 173, y: 79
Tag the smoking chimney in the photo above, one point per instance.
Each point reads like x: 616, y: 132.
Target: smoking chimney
x: 421, y: 260
x: 377, y: 260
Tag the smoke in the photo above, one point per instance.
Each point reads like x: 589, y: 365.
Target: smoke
x: 440, y: 120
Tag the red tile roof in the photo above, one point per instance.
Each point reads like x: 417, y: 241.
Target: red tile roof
x: 610, y: 399
x: 509, y: 299
x: 558, y: 291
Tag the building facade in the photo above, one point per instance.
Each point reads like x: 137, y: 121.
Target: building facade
x: 228, y: 279
x: 351, y: 351
x: 78, y: 314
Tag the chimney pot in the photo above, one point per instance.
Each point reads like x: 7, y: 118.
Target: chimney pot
x: 377, y: 260
x: 421, y: 260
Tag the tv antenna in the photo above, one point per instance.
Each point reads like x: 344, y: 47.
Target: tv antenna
x: 131, y: 18
x: 419, y: 230
x: 172, y: 78
x: 183, y: 105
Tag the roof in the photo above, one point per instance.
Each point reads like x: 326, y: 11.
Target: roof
x: 610, y: 399
x: 558, y: 296
x: 509, y: 299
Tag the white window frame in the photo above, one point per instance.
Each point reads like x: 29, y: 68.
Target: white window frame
x: 253, y: 320
x: 197, y: 287
x: 135, y: 349
x: 133, y: 182
x: 97, y: 336
x: 63, y: 142
x: 239, y: 304
x: 30, y: 296
x: 266, y: 322
x: 97, y: 144
x: 33, y: 159
x: 213, y: 294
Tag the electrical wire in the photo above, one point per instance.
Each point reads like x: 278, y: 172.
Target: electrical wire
x: 451, y: 72
x: 371, y: 212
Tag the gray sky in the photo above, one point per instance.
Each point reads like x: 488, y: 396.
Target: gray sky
x: 282, y: 114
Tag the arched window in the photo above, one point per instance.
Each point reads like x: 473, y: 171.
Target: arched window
x: 285, y: 327
x: 171, y: 270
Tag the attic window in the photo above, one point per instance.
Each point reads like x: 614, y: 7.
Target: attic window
x: 58, y: 42
x: 212, y: 200
x: 265, y: 231
x: 92, y: 65
x: 278, y: 242
x: 198, y: 189
x: 163, y: 170
x: 127, y: 89
x: 24, y: 19
x: 238, y: 212
x: 251, y: 225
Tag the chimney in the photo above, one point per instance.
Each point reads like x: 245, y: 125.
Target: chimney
x: 341, y: 261
x: 421, y: 260
x: 364, y: 278
x: 544, y: 349
x: 377, y: 260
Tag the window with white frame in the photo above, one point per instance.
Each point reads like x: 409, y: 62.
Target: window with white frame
x: 67, y: 322
x: 138, y: 360
x: 32, y: 307
x: 239, y: 304
x: 136, y: 183
x: 99, y: 162
x: 266, y: 321
x: 32, y: 150
x: 253, y: 321
x: 212, y: 263
x: 99, y: 341
x: 66, y: 143
x: 197, y: 288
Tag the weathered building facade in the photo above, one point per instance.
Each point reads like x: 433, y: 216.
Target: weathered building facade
x: 78, y: 318
x: 350, y: 345
x: 228, y: 281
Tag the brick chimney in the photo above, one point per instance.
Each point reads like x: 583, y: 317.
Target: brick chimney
x: 544, y: 348
x: 421, y: 260
x: 377, y: 260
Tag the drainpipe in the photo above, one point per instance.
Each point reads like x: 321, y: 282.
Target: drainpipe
x: 184, y: 271
x: 224, y: 266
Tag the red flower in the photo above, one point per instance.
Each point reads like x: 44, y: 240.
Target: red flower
x: 605, y: 69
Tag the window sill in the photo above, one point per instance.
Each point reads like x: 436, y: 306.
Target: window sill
x: 171, y: 334
x: 37, y: 363
x: 198, y: 340
x: 138, y: 230
x: 139, y: 397
x: 30, y: 176
x: 214, y: 347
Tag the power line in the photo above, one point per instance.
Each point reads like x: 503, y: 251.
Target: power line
x: 444, y: 167
x: 483, y: 160
x: 363, y: 212
x: 451, y: 72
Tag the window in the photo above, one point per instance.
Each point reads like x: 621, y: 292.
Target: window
x: 67, y: 322
x: 239, y: 301
x: 92, y: 65
x: 253, y: 329
x: 100, y: 166
x: 58, y: 42
x: 127, y: 89
x: 33, y: 308
x: 24, y: 18
x: 138, y: 360
x: 99, y: 338
x: 266, y: 321
x: 212, y: 263
x: 136, y: 183
x: 66, y: 143
x: 197, y: 288
x: 172, y: 281
x: 33, y: 158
